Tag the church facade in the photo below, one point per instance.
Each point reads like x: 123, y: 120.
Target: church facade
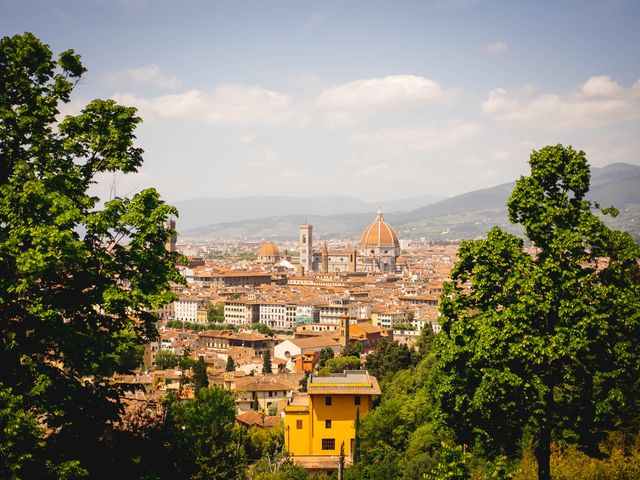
x: 377, y: 251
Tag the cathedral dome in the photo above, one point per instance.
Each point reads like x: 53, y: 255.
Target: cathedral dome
x: 269, y: 249
x: 379, y: 234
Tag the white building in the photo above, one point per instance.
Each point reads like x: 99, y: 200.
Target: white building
x: 186, y: 309
x: 291, y: 348
x: 278, y: 316
x: 240, y: 313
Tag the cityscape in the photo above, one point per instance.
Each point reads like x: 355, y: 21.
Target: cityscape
x: 343, y: 239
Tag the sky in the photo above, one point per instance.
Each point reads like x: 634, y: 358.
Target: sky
x: 373, y: 99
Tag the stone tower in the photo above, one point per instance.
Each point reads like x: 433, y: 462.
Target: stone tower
x: 306, y: 248
x: 325, y: 258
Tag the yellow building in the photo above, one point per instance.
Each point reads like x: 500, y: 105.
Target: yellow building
x: 319, y: 422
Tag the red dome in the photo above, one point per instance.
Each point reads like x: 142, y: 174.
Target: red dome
x: 379, y: 234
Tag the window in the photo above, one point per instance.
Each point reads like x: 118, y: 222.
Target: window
x: 328, y: 444
x: 356, y: 400
x: 299, y: 424
x: 327, y: 400
x: 327, y: 424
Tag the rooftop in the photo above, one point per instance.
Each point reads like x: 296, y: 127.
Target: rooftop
x: 347, y: 382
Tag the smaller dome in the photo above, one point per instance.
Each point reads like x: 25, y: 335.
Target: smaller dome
x: 401, y: 260
x: 269, y: 249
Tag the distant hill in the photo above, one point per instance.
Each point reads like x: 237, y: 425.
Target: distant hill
x: 210, y: 211
x: 468, y: 215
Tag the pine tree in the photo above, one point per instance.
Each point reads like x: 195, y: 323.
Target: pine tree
x: 200, y: 378
x: 266, y: 362
x: 231, y: 365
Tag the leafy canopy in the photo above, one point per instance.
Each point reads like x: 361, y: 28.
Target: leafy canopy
x: 78, y: 281
x: 548, y: 342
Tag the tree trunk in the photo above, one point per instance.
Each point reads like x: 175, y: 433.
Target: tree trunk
x: 543, y: 447
x: 543, y: 452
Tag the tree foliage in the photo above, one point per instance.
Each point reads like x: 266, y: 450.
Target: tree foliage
x: 546, y: 343
x: 340, y: 364
x: 399, y: 438
x: 325, y: 354
x: 425, y: 341
x: 78, y: 282
x: 266, y: 362
x: 200, y: 377
x: 262, y: 328
x: 231, y: 365
x: 390, y: 357
x: 352, y: 350
x: 203, y: 440
x: 166, y: 359
x: 215, y: 313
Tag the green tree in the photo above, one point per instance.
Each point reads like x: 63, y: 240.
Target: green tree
x: 545, y: 343
x: 262, y: 328
x: 390, y: 357
x: 204, y: 441
x: 352, y: 350
x: 356, y: 440
x: 451, y: 464
x: 425, y: 341
x: 302, y: 384
x: 266, y: 362
x: 231, y: 365
x: 166, y: 359
x: 325, y: 354
x: 340, y: 364
x: 73, y: 274
x: 215, y: 313
x: 200, y: 377
x: 186, y: 363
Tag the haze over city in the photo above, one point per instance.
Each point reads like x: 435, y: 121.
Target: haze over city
x: 378, y: 100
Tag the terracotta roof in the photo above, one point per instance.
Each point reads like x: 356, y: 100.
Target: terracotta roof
x: 269, y: 249
x: 263, y: 384
x: 379, y: 234
x: 314, y: 342
x: 253, y: 418
x: 348, y: 382
x: 366, y: 327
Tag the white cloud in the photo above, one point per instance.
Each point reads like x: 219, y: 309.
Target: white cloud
x: 266, y: 159
x: 372, y: 169
x: 224, y: 105
x: 601, y: 86
x: 347, y: 102
x: 599, y: 102
x: 422, y: 138
x: 496, y: 47
x: 147, y: 75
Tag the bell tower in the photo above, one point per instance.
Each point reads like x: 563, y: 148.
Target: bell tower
x: 306, y: 248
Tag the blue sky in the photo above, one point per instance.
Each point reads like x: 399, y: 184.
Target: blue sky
x: 374, y: 99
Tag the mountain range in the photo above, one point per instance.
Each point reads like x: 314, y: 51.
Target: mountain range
x: 210, y: 211
x: 468, y: 215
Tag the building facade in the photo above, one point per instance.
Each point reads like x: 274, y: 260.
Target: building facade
x: 377, y: 251
x: 320, y: 423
